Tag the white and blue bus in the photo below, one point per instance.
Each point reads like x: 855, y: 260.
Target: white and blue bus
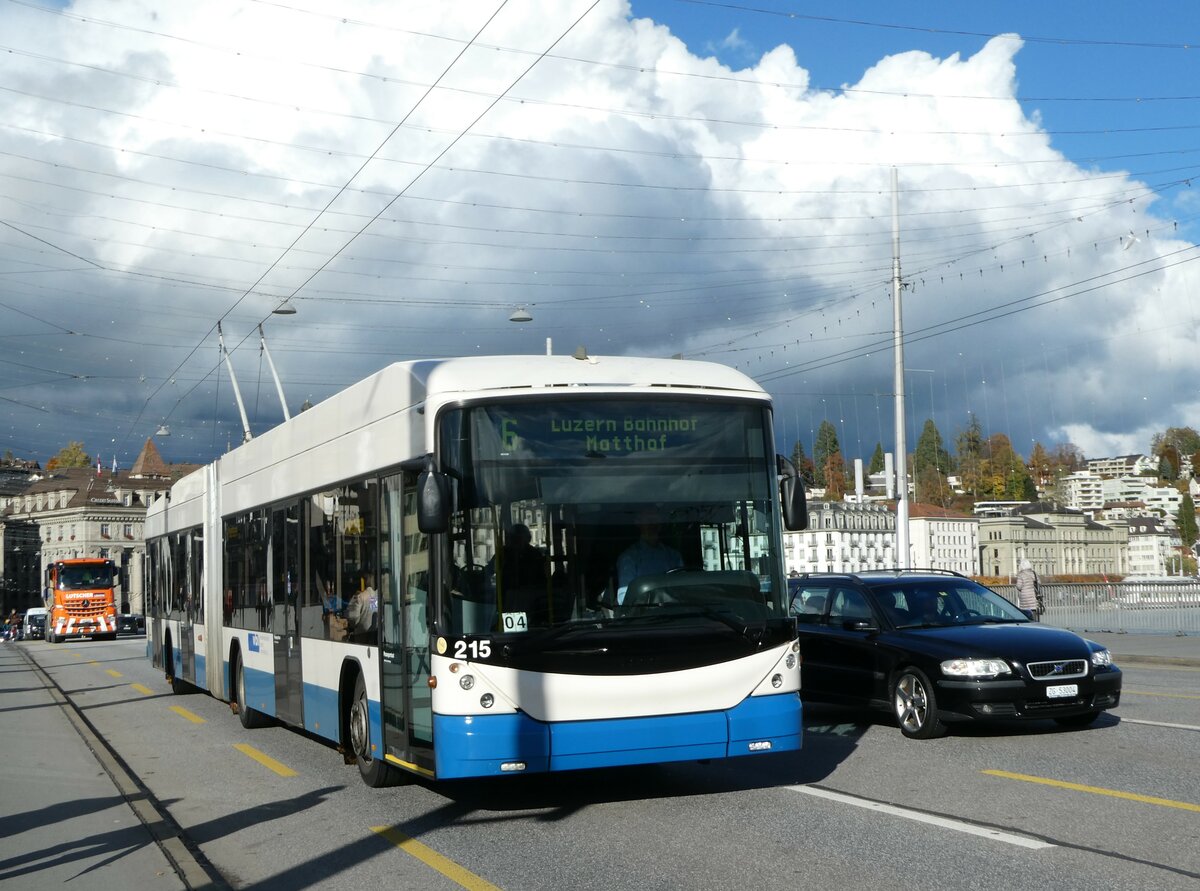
x: 426, y: 569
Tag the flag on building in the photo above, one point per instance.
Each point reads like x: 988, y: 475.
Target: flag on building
x: 98, y: 470
x: 114, y: 465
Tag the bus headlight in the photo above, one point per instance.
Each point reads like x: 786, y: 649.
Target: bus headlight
x: 467, y: 681
x: 487, y: 700
x: 790, y: 661
x: 777, y: 680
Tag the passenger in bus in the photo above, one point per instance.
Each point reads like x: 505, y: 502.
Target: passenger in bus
x: 649, y: 555
x: 361, y: 612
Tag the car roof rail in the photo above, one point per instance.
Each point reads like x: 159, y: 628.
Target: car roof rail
x: 911, y: 570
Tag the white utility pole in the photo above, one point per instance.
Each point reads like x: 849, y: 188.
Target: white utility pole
x: 902, y: 548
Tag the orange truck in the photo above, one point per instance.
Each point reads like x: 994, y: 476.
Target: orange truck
x: 80, y: 600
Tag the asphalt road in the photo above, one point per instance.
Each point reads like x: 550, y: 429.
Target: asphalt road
x: 1117, y: 805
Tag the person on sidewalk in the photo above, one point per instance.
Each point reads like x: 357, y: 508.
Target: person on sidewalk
x: 1029, y: 592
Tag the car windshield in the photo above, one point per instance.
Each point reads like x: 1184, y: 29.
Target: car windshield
x: 933, y: 603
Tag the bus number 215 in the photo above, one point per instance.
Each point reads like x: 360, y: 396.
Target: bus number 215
x: 472, y: 649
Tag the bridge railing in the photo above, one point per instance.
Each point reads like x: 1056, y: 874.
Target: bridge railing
x: 1140, y: 607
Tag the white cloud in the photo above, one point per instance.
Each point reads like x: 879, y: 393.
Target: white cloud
x: 636, y: 197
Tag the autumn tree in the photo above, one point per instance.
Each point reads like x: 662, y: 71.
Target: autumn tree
x: 803, y: 464
x: 70, y: 455
x: 835, y: 477
x: 1005, y: 476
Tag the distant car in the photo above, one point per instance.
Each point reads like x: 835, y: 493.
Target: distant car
x: 935, y: 647
x: 35, y: 623
x: 130, y: 624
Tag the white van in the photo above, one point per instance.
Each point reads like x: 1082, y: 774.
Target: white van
x: 35, y: 623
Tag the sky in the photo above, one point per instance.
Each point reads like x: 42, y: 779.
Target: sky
x: 677, y: 177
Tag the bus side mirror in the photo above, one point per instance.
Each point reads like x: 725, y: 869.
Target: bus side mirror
x: 433, y: 499
x: 792, y: 496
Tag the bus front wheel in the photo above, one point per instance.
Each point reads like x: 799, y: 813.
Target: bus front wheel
x: 374, y: 771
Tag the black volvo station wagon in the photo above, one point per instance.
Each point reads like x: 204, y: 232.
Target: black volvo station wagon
x: 934, y: 647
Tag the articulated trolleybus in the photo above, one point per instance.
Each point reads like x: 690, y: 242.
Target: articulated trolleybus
x: 479, y: 566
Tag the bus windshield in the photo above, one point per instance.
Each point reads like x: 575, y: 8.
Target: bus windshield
x: 610, y: 513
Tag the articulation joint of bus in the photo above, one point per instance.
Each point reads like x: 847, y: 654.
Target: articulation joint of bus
x: 80, y: 599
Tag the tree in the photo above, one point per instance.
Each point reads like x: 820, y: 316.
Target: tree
x: 1186, y: 520
x: 932, y: 487
x: 1185, y: 440
x: 879, y: 462
x: 1168, y: 462
x: 71, y: 455
x: 930, y: 452
x: 835, y: 477
x: 1066, y: 458
x: 1005, y: 474
x: 803, y: 464
x: 825, y: 446
x: 969, y: 444
x: 1039, y: 465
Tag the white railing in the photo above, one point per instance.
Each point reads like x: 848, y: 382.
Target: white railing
x: 1139, y: 607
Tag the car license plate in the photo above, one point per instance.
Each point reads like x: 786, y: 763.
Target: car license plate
x: 1062, y: 690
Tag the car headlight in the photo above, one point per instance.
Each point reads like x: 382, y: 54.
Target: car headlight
x: 1102, y: 658
x: 975, y: 668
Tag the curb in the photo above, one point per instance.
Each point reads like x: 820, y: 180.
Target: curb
x: 192, y: 868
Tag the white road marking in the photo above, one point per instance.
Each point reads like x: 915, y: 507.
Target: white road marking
x: 1161, y: 724
x: 1022, y: 841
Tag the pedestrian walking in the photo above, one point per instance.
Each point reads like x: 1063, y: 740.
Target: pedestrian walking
x: 1029, y: 591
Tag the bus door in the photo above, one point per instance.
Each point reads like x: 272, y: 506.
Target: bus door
x: 181, y: 545
x: 406, y: 700
x: 284, y: 592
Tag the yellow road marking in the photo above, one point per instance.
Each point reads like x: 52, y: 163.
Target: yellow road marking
x: 93, y: 662
x: 434, y: 860
x: 143, y: 689
x: 1167, y: 695
x: 113, y: 672
x: 265, y: 760
x: 184, y: 713
x: 77, y: 655
x: 1096, y: 790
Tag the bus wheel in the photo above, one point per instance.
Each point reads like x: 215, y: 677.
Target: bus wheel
x: 249, y: 717
x: 178, y: 684
x: 374, y: 771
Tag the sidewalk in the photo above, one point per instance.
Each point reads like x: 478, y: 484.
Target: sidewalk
x: 63, y: 819
x: 1150, y: 649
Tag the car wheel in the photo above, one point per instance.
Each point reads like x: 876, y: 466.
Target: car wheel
x: 374, y: 771
x: 915, y: 705
x: 1084, y: 720
x: 249, y: 717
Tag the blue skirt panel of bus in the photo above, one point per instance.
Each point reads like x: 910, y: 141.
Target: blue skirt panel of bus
x: 321, y: 712
x: 477, y: 745
x: 201, y: 679
x: 260, y: 689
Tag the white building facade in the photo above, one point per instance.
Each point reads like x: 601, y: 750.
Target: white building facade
x: 843, y: 537
x: 943, y: 541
